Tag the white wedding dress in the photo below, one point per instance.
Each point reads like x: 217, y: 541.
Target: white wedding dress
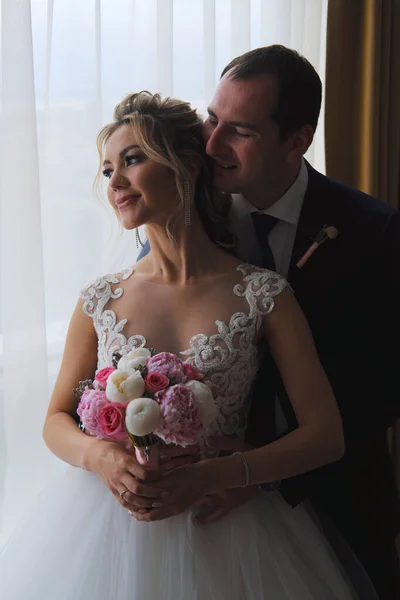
x: 80, y: 544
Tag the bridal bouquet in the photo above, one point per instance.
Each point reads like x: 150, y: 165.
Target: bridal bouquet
x: 147, y: 397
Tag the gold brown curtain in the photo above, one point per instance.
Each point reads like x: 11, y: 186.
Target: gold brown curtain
x: 362, y: 118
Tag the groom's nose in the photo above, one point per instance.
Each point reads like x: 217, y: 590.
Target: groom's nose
x: 216, y: 142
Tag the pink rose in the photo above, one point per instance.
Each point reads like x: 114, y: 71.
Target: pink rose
x: 191, y: 373
x: 103, y: 375
x: 181, y: 421
x: 112, y: 420
x: 155, y: 382
x: 90, y: 405
x: 166, y: 364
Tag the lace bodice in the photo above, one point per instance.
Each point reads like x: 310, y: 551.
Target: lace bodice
x: 229, y: 358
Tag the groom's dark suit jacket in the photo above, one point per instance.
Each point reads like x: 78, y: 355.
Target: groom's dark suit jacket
x: 349, y: 291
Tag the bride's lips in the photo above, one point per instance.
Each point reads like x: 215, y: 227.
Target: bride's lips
x: 126, y: 200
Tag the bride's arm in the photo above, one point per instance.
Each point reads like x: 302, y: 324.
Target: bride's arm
x: 60, y: 431
x: 113, y: 464
x: 319, y: 438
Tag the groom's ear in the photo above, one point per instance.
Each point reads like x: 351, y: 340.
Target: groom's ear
x: 299, y: 143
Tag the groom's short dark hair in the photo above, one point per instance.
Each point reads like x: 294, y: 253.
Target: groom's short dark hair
x: 299, y: 85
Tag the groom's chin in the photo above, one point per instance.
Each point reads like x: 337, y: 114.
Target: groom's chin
x: 222, y: 187
x: 224, y: 183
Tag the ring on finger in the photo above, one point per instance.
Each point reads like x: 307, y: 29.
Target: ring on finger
x: 122, y: 493
x: 140, y: 511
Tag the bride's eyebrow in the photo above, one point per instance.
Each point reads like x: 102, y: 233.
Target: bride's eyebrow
x: 123, y: 152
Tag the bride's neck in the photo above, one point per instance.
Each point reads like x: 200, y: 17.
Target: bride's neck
x: 192, y: 256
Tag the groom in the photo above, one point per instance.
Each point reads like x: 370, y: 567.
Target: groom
x: 261, y: 121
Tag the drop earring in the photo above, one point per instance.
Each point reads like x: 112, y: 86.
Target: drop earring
x: 139, y: 242
x: 186, y: 202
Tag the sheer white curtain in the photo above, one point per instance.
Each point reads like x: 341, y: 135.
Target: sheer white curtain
x: 65, y: 63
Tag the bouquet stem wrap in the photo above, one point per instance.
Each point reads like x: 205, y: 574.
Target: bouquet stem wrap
x: 147, y: 450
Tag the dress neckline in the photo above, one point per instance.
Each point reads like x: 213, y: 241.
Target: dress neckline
x: 221, y: 327
x: 230, y: 340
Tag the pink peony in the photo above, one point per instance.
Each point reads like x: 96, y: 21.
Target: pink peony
x: 166, y: 364
x: 103, y: 375
x: 191, y: 373
x: 112, y: 420
x: 90, y: 405
x: 155, y: 382
x: 181, y: 421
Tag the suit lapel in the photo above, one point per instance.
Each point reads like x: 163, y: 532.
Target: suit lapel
x: 308, y: 281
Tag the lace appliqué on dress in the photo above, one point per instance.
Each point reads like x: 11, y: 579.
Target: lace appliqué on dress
x: 109, y: 332
x: 229, y: 358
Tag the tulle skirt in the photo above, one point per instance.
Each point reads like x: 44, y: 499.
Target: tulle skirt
x: 80, y: 544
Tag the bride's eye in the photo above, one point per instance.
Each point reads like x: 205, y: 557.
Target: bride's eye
x: 133, y: 159
x: 107, y: 173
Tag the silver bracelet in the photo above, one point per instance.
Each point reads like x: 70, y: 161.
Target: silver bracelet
x: 246, y: 467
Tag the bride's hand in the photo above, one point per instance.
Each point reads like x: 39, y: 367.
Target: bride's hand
x: 186, y: 486
x: 172, y: 456
x: 125, y: 477
x: 189, y: 486
x: 216, y: 506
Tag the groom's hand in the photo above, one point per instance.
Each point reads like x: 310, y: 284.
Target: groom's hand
x: 216, y: 506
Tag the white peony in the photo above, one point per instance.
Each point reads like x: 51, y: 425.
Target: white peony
x: 136, y: 358
x: 205, y: 401
x: 123, y: 386
x: 142, y: 416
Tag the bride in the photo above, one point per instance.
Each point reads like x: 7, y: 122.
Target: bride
x: 99, y: 532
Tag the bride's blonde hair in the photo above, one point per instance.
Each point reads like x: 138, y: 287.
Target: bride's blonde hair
x: 169, y: 131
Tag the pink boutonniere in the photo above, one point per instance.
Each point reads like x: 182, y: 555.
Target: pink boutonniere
x: 328, y: 232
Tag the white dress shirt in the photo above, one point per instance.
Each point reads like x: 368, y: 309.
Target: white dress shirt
x: 281, y: 239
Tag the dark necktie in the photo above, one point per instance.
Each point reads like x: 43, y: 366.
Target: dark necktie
x: 263, y: 225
